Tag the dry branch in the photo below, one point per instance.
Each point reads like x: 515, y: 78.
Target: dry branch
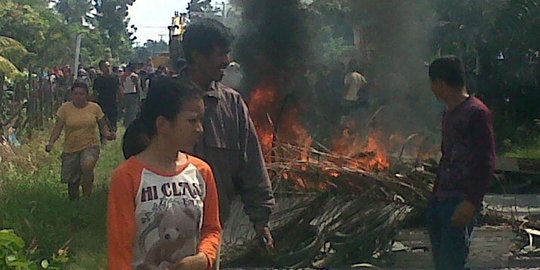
x: 333, y: 210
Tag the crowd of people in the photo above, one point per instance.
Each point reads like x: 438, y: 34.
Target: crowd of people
x: 191, y: 147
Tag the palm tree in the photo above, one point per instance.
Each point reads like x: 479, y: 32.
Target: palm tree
x: 10, y: 51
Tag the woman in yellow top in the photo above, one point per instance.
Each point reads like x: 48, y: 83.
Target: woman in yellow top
x: 80, y: 119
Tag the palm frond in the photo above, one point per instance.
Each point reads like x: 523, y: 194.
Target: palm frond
x: 11, y: 51
x: 330, y: 211
x: 7, y: 67
x: 8, y: 44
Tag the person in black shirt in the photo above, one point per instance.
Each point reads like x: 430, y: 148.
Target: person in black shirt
x: 107, y: 87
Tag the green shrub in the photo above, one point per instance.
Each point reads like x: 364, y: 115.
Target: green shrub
x: 14, y: 255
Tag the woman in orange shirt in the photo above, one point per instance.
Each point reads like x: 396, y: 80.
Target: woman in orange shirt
x: 163, y: 205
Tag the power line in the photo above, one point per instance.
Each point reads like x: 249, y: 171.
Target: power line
x: 150, y: 26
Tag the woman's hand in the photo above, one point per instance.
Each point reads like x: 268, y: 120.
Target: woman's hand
x: 48, y: 148
x: 110, y: 136
x: 198, y: 261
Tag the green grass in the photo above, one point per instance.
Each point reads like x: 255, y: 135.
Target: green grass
x: 530, y: 150
x: 34, y: 203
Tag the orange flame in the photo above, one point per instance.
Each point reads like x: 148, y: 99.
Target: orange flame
x: 262, y: 103
x: 380, y: 162
x: 366, y: 153
x: 275, y: 121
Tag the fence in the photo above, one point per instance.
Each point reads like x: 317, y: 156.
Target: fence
x: 28, y: 104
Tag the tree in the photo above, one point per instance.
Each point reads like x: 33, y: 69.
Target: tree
x: 40, y: 30
x: 23, y: 23
x: 11, y: 52
x: 149, y: 49
x: 501, y: 61
x: 50, y: 31
x: 112, y: 20
x: 75, y: 11
x: 198, y: 9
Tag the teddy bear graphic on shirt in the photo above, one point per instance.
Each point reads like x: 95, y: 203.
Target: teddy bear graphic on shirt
x: 178, y: 237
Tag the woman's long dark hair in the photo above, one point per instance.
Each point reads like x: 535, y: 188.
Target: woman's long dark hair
x: 166, y: 97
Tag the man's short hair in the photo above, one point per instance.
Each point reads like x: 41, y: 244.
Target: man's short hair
x: 101, y: 63
x: 179, y: 64
x: 203, y: 35
x: 449, y: 69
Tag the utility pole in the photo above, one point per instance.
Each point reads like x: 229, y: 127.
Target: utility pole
x: 161, y: 37
x: 77, y: 56
x: 223, y: 12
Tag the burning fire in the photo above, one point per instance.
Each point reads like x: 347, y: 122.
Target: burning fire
x: 365, y: 151
x: 380, y: 160
x: 264, y: 101
x: 276, y: 119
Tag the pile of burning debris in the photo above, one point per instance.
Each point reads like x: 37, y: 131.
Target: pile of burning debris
x: 339, y: 202
x: 333, y: 210
x: 336, y: 205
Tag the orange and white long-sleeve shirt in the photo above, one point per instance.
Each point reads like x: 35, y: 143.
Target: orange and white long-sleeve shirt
x: 155, y: 219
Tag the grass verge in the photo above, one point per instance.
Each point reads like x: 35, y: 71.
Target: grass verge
x: 35, y: 205
x: 531, y: 150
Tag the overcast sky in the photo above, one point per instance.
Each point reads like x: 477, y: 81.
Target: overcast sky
x: 153, y: 16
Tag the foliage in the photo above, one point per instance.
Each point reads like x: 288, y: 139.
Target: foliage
x: 334, y: 49
x: 14, y: 256
x: 113, y: 22
x: 7, y: 67
x: 50, y: 31
x: 23, y: 23
x: 332, y: 45
x: 75, y: 11
x: 13, y: 55
x: 150, y: 48
x: 531, y: 151
x: 35, y: 205
x: 526, y: 143
x: 502, y: 63
x: 202, y: 9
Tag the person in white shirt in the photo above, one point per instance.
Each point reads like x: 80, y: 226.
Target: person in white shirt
x: 132, y: 89
x: 354, y: 82
x: 355, y: 91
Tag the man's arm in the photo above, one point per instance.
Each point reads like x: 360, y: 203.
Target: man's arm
x: 135, y: 80
x: 483, y: 160
x: 104, y: 128
x: 120, y: 91
x: 482, y: 165
x: 255, y: 188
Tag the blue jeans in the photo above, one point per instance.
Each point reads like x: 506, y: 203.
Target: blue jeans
x: 449, y: 244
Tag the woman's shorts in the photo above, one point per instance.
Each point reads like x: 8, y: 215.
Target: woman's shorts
x: 71, y: 163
